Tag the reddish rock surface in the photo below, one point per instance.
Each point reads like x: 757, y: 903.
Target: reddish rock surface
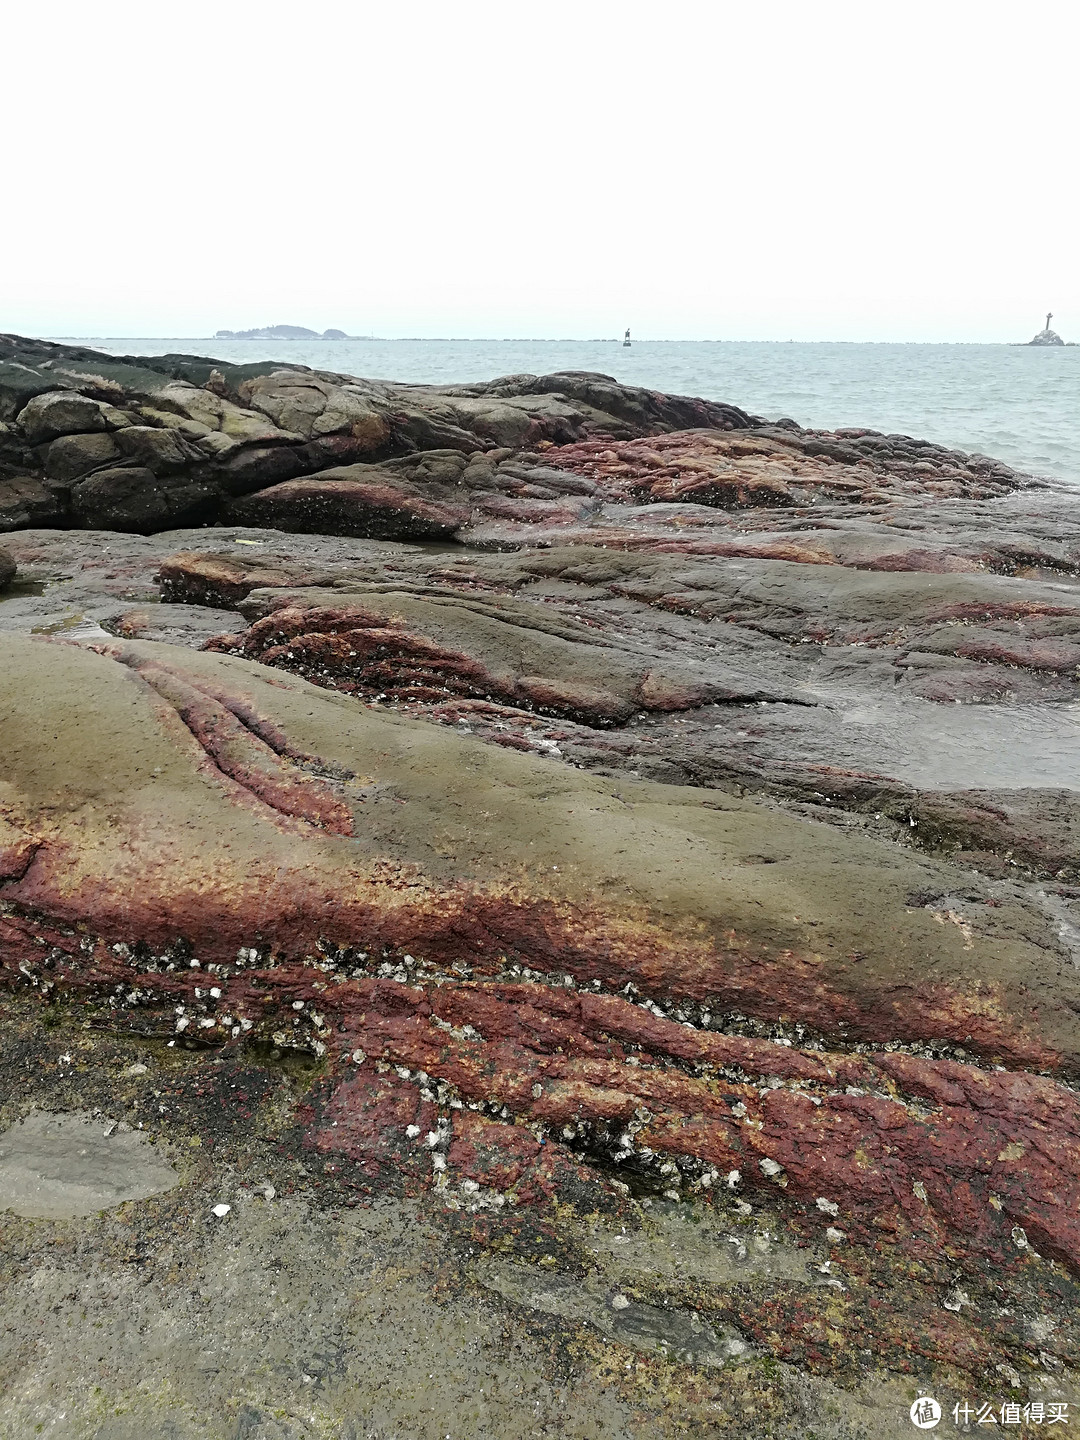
x: 597, y: 1028
x: 758, y: 1043
x: 781, y: 467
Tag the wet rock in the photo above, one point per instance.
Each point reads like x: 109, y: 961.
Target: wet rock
x: 60, y: 1167
x: 165, y: 452
x: 312, y: 405
x: 7, y: 569
x: 134, y: 498
x: 269, y: 745
x: 536, y: 441
x: 773, y: 468
x: 245, y: 469
x: 221, y: 578
x: 674, y: 1073
x: 348, y: 501
x: 414, y: 647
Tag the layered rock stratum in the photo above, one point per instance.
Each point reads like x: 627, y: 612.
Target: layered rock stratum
x: 586, y: 877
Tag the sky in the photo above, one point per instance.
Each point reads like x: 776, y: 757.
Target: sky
x: 771, y: 171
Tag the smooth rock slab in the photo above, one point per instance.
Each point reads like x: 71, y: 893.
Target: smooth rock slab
x: 59, y: 1167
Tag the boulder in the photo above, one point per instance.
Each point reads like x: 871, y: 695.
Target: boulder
x: 371, y: 505
x: 165, y: 452
x: 134, y: 498
x: 71, y: 456
x: 7, y: 569
x: 25, y: 502
x: 312, y: 405
x: 203, y: 406
x: 65, y: 412
x: 245, y: 469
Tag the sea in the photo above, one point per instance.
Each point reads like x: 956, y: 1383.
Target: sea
x: 1018, y: 403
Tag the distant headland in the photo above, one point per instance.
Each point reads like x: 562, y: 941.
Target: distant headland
x: 282, y: 332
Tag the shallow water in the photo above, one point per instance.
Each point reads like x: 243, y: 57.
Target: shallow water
x: 1019, y: 404
x: 960, y: 747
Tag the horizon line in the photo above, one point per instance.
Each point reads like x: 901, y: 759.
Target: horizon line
x: 523, y: 340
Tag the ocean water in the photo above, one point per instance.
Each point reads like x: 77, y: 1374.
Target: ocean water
x: 1019, y: 404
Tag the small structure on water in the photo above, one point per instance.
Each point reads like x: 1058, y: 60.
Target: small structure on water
x: 626, y: 338
x: 1046, y: 336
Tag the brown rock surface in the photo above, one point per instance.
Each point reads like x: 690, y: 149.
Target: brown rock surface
x: 348, y: 502
x: 556, y: 1005
x: 691, y: 1036
x: 424, y: 648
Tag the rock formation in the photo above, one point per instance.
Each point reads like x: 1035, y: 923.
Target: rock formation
x: 1046, y: 336
x: 590, y: 861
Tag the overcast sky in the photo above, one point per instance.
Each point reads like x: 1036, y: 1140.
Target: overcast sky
x: 723, y: 170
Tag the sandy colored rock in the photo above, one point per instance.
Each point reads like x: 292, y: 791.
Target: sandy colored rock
x: 554, y: 1010
x: 60, y: 1167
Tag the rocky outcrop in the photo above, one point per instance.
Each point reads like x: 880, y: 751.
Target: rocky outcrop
x: 781, y: 467
x: 610, y: 898
x: 532, y: 992
x: 201, y: 434
x: 1047, y: 337
x: 141, y: 444
x: 428, y: 648
x: 7, y: 569
x: 356, y: 500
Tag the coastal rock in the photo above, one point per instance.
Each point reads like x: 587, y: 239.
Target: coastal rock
x: 1047, y: 337
x: 134, y: 498
x: 25, y: 501
x: 258, y: 753
x: 72, y: 456
x: 775, y: 467
x: 607, y: 922
x: 19, y: 382
x: 539, y: 999
x: 236, y: 429
x: 415, y: 648
x: 7, y: 569
x: 310, y: 405
x: 223, y: 579
x: 346, y: 502
x: 64, y: 412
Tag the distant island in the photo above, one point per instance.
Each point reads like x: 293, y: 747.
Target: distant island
x: 280, y: 332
